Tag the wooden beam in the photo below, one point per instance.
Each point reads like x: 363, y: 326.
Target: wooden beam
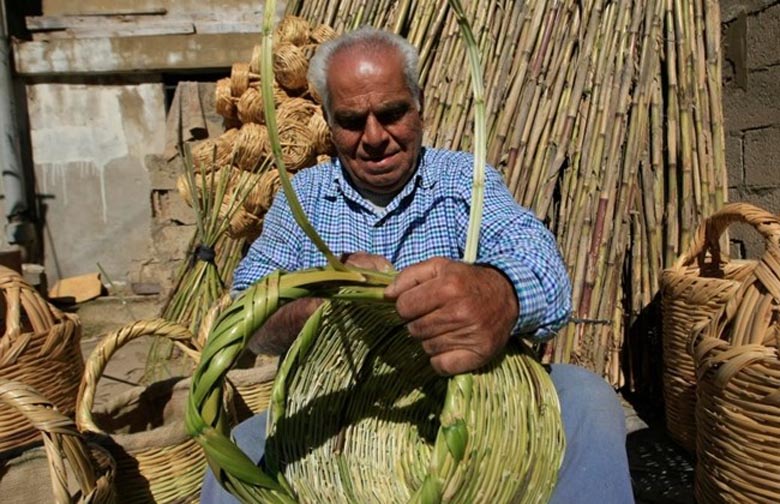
x: 111, y: 22
x: 128, y: 30
x: 69, y: 56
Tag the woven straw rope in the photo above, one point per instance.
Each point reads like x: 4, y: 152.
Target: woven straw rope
x: 39, y: 343
x: 63, y: 442
x: 693, y: 290
x: 359, y: 422
x: 738, y: 392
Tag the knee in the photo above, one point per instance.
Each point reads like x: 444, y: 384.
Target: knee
x: 586, y: 398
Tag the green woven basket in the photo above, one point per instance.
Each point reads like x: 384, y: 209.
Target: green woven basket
x: 358, y: 415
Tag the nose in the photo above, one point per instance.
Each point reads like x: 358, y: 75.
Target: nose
x: 374, y: 134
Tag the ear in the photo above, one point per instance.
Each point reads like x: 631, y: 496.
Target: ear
x: 422, y: 102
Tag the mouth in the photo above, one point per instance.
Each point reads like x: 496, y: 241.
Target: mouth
x: 381, y: 164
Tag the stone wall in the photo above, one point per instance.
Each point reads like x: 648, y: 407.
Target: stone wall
x: 751, y: 99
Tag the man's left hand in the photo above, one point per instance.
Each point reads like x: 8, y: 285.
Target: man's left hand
x: 462, y: 314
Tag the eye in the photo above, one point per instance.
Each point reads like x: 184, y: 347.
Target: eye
x: 393, y: 115
x: 350, y: 122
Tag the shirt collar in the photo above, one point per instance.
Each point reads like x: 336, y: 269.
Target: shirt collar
x: 424, y: 177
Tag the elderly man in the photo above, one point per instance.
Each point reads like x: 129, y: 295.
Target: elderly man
x: 388, y: 202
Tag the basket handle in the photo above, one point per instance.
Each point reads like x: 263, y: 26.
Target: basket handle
x: 61, y: 440
x: 96, y: 364
x: 710, y: 231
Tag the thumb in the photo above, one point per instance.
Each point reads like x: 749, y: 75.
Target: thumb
x: 410, y: 278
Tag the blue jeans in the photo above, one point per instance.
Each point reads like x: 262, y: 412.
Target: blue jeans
x: 595, y: 465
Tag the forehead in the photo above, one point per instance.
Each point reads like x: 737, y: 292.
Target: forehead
x: 359, y: 78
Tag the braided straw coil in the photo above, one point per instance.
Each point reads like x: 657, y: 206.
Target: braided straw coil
x: 40, y: 346
x: 251, y: 146
x: 292, y: 30
x: 245, y: 225
x: 297, y: 145
x: 223, y: 99
x: 323, y: 143
x: 290, y: 66
x: 322, y: 33
x: 240, y: 76
x: 738, y: 392
x: 63, y: 448
x: 214, y: 153
x: 250, y: 106
x: 262, y: 195
x: 692, y: 292
x: 371, y: 427
x: 297, y: 110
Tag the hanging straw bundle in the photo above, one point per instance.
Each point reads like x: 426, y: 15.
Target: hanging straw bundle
x: 201, y: 281
x: 357, y: 413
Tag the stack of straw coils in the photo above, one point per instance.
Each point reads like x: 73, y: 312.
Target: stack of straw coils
x: 304, y: 133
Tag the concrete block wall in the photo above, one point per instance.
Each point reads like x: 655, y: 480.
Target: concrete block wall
x: 751, y: 107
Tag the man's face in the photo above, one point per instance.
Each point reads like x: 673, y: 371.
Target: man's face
x: 376, y: 126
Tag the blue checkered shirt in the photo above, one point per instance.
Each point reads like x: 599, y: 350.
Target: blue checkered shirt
x: 428, y: 218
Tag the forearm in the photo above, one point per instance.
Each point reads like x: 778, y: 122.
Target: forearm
x: 281, y: 328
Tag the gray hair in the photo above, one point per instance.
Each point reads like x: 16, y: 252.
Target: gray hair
x: 367, y: 38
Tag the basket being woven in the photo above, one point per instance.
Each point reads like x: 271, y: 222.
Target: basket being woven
x: 692, y: 291
x: 738, y: 392
x: 40, y: 346
x: 78, y: 473
x: 359, y: 416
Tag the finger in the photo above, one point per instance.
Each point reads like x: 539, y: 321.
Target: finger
x: 456, y: 362
x: 417, y: 274
x: 438, y: 323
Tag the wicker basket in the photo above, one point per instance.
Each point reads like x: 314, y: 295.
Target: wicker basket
x: 40, y: 346
x: 738, y: 393
x: 692, y: 291
x: 65, y: 458
x: 359, y: 416
x: 144, y: 428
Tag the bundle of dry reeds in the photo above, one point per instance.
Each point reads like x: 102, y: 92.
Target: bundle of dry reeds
x: 605, y: 119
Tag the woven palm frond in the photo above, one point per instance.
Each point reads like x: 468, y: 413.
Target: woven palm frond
x: 359, y: 416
